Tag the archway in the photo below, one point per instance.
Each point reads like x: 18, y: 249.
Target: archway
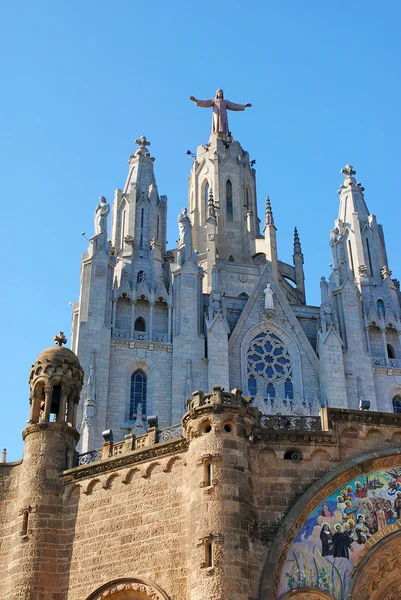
x: 128, y: 589
x: 378, y: 574
x: 307, y: 594
x: 297, y: 560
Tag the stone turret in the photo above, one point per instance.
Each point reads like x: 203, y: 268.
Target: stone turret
x: 298, y: 259
x: 220, y: 496
x: 38, y: 569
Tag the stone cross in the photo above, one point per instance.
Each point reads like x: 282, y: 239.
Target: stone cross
x: 142, y: 142
x: 60, y: 339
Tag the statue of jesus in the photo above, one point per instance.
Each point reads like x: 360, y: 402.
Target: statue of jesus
x: 220, y: 107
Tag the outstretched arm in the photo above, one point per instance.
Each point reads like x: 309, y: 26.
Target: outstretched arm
x: 202, y: 103
x: 233, y: 106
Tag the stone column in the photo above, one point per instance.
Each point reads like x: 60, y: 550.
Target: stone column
x: 48, y: 400
x: 63, y: 404
x: 151, y: 305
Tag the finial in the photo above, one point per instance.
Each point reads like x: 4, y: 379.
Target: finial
x: 297, y: 243
x: 348, y: 171
x: 142, y: 142
x: 210, y: 205
x: 269, y: 220
x: 349, y: 179
x: 60, y: 338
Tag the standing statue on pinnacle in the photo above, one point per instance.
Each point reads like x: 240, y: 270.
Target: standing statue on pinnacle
x: 102, y: 211
x: 185, y: 228
x: 220, y: 107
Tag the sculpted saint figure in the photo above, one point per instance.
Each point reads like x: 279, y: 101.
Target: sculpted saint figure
x: 220, y: 107
x: 185, y: 227
x: 102, y: 211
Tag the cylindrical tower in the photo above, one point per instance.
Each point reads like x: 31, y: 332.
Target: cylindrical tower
x: 220, y: 497
x: 39, y: 568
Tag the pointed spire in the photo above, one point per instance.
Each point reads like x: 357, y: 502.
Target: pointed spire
x: 269, y: 220
x: 297, y: 243
x: 211, y: 211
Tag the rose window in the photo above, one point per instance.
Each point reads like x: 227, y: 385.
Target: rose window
x: 268, y: 358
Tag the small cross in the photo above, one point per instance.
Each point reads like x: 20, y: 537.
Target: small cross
x: 142, y: 142
x: 60, y: 339
x: 348, y: 171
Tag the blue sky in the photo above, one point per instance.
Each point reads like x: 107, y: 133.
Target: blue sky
x: 82, y: 80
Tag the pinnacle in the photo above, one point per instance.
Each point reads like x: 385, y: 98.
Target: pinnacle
x: 269, y: 219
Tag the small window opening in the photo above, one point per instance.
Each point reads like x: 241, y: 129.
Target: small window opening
x: 228, y: 427
x: 293, y: 455
x: 140, y: 324
x: 56, y: 398
x: 123, y: 229
x: 231, y: 258
x: 229, y: 201
x: 390, y: 351
x: 207, y: 428
x: 208, y: 474
x: 208, y: 554
x: 157, y: 226
x: 140, y: 276
x: 397, y: 404
x: 25, y: 521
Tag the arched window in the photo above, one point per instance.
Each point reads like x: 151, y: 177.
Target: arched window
x: 288, y: 389
x: 123, y: 229
x: 231, y: 258
x: 138, y: 393
x: 270, y: 390
x: 140, y: 276
x: 380, y: 308
x: 140, y: 324
x: 369, y: 257
x: 252, y: 388
x: 207, y: 188
x: 397, y: 404
x: 229, y: 201
x: 390, y: 351
x: 157, y: 226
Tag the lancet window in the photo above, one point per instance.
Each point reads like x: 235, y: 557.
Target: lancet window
x: 397, y: 404
x: 229, y: 201
x: 138, y: 393
x: 207, y: 188
x: 269, y: 367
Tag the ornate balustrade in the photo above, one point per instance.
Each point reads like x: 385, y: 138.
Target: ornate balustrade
x: 391, y: 363
x: 293, y: 422
x: 170, y: 433
x: 89, y: 457
x: 141, y: 336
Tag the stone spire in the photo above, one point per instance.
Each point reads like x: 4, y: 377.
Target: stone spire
x: 298, y: 259
x: 271, y: 239
x: 297, y: 243
x: 269, y: 220
x: 351, y: 195
x: 211, y: 209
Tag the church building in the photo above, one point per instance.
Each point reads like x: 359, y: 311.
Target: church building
x: 210, y: 435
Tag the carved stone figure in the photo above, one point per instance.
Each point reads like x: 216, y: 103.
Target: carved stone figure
x: 269, y: 304
x: 102, y: 211
x: 220, y: 107
x: 185, y: 228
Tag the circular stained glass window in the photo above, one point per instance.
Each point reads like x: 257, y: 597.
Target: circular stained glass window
x: 268, y: 358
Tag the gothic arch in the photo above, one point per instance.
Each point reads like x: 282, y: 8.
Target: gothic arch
x: 129, y: 589
x: 289, y: 342
x: 313, y: 497
x: 149, y: 368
